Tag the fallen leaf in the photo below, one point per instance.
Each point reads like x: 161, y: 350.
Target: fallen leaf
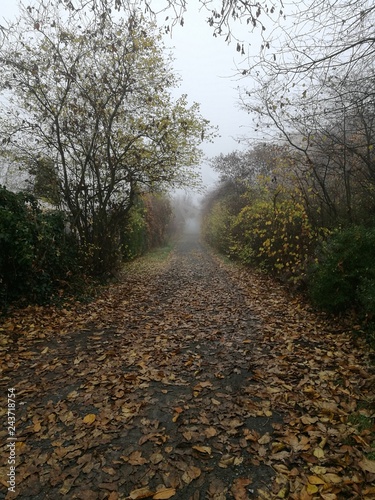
x: 205, y: 450
x: 315, y: 480
x: 136, y: 458
x: 265, y: 439
x: 239, y: 488
x: 190, y: 474
x: 141, y: 493
x: 367, y: 465
x: 332, y: 478
x: 37, y: 426
x: 156, y: 458
x: 164, y: 494
x: 318, y: 453
x: 311, y: 489
x: 210, y: 432
x: 89, y: 419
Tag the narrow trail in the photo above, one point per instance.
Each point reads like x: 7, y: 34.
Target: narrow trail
x: 187, y: 381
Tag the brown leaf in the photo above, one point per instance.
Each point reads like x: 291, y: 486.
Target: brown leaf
x: 264, y: 439
x: 205, y: 450
x: 136, y: 458
x: 191, y: 473
x: 239, y: 488
x: 210, y: 432
x: 156, y: 458
x: 141, y: 493
x: 37, y: 426
x: 164, y: 494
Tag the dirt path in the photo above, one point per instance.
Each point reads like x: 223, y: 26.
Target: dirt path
x: 188, y: 381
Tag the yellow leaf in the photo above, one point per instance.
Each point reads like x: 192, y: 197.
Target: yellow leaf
x: 315, y: 480
x: 284, y: 492
x: 312, y: 488
x: 318, y: 453
x: 141, y: 493
x: 332, y: 478
x: 164, y: 494
x: 317, y: 469
x: 367, y: 465
x: 89, y: 419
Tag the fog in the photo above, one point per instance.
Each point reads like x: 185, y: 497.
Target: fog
x: 193, y: 224
x: 187, y: 213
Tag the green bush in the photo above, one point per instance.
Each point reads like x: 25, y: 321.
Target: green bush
x: 36, y: 255
x: 344, y: 277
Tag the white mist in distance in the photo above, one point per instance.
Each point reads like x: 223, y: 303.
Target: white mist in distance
x: 193, y: 224
x: 187, y: 213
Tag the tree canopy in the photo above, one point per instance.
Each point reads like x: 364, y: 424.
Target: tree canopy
x: 89, y: 95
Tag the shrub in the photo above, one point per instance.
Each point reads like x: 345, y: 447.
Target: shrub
x: 36, y: 254
x: 344, y: 276
x: 276, y: 237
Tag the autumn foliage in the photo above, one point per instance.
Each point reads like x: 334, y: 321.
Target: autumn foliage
x: 270, y: 231
x: 266, y: 215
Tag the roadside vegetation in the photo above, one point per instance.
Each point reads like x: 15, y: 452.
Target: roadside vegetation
x: 88, y: 118
x: 269, y: 213
x: 41, y: 260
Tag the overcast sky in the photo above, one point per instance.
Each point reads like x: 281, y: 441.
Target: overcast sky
x: 207, y: 67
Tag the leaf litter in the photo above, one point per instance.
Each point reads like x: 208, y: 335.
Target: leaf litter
x: 190, y: 379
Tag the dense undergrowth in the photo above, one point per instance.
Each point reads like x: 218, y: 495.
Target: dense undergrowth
x: 41, y: 260
x: 333, y: 266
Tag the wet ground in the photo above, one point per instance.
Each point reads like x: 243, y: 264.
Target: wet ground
x: 159, y: 395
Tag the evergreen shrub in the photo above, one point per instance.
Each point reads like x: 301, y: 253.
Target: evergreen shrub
x: 344, y: 276
x: 37, y: 256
